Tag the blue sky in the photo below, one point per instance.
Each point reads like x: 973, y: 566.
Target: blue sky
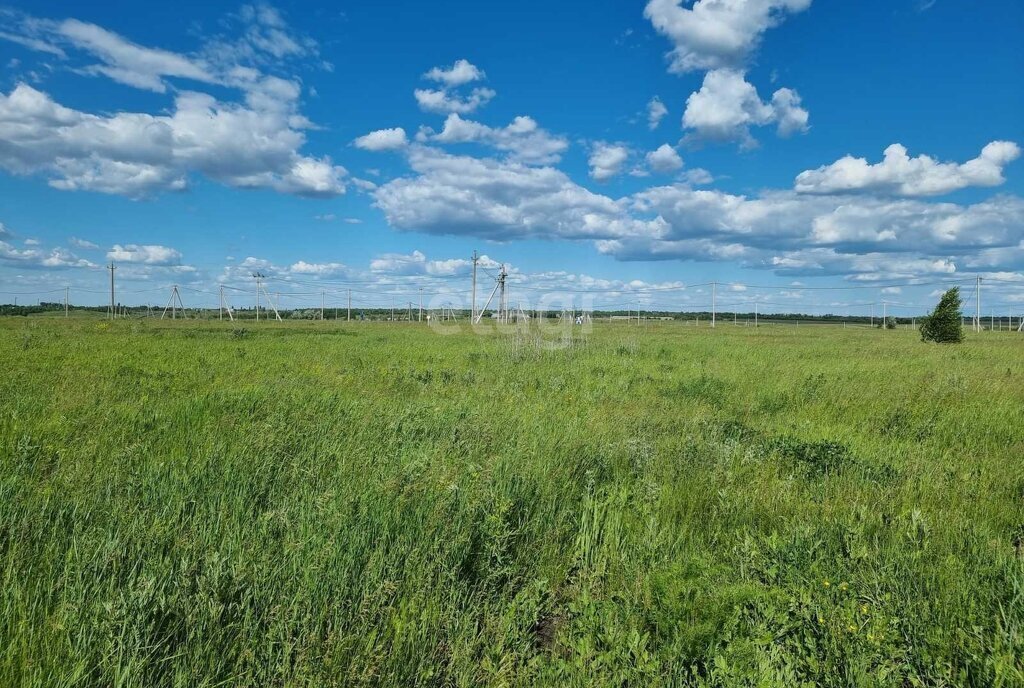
x: 620, y: 152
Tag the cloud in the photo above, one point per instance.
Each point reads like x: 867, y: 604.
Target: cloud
x: 31, y: 242
x: 462, y: 72
x: 446, y: 99
x: 331, y: 217
x: 128, y: 63
x: 363, y: 184
x: 5, y: 233
x: 83, y: 244
x: 656, y: 110
x: 698, y: 176
x: 318, y: 269
x: 827, y: 235
x: 606, y: 160
x: 32, y: 43
x: 34, y: 258
x: 9, y: 253
x: 713, y: 34
x: 492, y: 199
x: 664, y: 159
x: 62, y: 258
x: 262, y: 39
x: 243, y: 271
x: 415, y: 263
x: 382, y: 140
x: 523, y: 139
x: 443, y: 101
x: 791, y: 118
x: 900, y: 175
x: 265, y: 39
x: 252, y: 143
x: 780, y: 230
x: 727, y: 106
x: 150, y: 254
x: 134, y: 154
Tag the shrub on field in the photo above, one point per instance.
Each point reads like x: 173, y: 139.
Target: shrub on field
x: 890, y: 323
x: 944, y: 325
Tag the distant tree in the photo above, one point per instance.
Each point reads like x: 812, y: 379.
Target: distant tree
x: 944, y: 324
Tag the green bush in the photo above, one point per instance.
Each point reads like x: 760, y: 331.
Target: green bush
x: 944, y: 324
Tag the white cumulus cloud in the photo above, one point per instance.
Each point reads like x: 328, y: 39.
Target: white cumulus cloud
x: 249, y: 140
x: 656, y: 110
x: 727, y: 106
x: 448, y: 99
x: 444, y: 101
x: 382, y: 139
x: 147, y: 254
x: 318, y: 269
x: 899, y: 174
x: 606, y: 160
x: 716, y: 33
x: 134, y: 154
x: 499, y: 200
x: 523, y: 139
x: 462, y: 72
x: 664, y: 159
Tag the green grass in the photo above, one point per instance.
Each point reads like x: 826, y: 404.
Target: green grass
x: 185, y: 504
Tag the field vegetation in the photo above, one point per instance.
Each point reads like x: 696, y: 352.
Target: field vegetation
x: 332, y: 504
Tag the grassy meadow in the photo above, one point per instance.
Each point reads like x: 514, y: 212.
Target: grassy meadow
x: 332, y: 504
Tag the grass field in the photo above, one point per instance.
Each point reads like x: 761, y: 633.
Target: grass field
x: 316, y: 504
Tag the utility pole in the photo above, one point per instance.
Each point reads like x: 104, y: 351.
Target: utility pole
x: 502, y: 303
x: 224, y: 306
x: 472, y: 299
x: 66, y: 289
x: 977, y: 307
x: 410, y: 311
x: 884, y: 312
x: 421, y: 306
x: 322, y: 299
x: 349, y: 306
x: 173, y: 304
x: 111, y: 267
x: 755, y: 314
x: 872, y: 315
x: 258, y: 276
x: 714, y: 294
x: 497, y: 283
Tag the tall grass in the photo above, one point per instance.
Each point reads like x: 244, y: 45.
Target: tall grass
x: 316, y: 505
